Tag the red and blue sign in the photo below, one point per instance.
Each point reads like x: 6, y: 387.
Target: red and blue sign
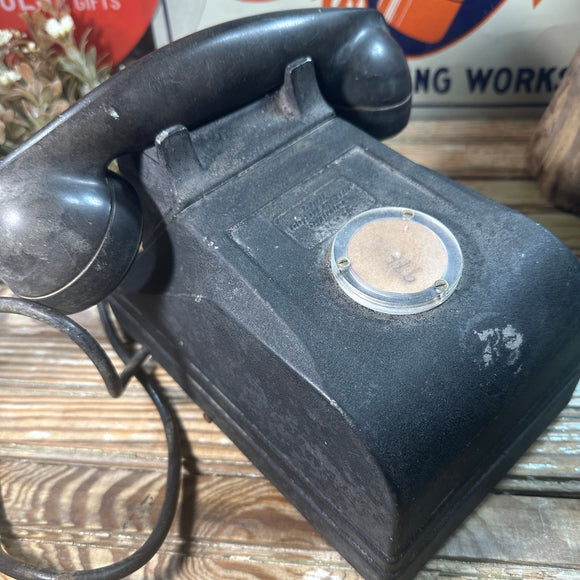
x: 425, y: 26
x: 116, y: 25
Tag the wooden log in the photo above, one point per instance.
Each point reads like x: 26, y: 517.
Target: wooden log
x: 554, y: 154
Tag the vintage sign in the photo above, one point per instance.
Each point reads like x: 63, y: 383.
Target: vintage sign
x: 487, y: 55
x: 116, y: 25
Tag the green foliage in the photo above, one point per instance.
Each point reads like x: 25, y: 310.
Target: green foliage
x: 43, y: 72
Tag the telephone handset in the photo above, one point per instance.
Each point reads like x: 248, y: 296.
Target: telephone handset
x: 364, y: 329
x: 71, y: 229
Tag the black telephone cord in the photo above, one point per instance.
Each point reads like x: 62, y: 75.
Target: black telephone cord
x: 115, y: 384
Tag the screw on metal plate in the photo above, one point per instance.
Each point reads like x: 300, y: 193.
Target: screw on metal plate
x: 343, y: 263
x: 408, y: 214
x: 441, y: 285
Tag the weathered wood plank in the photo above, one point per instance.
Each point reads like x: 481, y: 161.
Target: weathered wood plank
x: 220, y: 567
x: 462, y: 160
x: 243, y: 567
x: 520, y: 529
x: 516, y: 193
x: 525, y: 196
x: 468, y: 148
x: 247, y: 522
x: 467, y: 131
x: 441, y: 569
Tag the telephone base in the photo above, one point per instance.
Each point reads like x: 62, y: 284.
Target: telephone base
x: 385, y: 430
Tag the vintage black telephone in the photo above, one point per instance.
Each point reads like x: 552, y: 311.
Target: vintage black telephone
x: 382, y: 342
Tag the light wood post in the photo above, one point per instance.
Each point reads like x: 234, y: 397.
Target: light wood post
x: 554, y: 153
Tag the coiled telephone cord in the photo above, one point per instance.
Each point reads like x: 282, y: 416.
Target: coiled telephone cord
x: 115, y: 384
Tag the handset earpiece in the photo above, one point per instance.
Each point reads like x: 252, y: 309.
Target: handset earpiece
x: 371, y: 85
x: 70, y: 229
x: 67, y: 239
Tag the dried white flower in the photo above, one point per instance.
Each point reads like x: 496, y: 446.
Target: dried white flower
x: 5, y: 37
x: 8, y: 77
x: 52, y: 27
x: 67, y: 23
x: 59, y: 28
x: 29, y: 48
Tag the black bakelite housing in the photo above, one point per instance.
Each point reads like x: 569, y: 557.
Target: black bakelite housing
x: 385, y: 431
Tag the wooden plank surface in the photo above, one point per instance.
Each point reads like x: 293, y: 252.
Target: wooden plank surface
x: 82, y: 476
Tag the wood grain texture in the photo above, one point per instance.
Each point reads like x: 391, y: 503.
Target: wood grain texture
x: 468, y: 149
x: 553, y: 155
x: 82, y: 475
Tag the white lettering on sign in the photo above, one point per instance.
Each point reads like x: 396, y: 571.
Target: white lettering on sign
x: 18, y: 5
x: 342, y: 3
x: 78, y: 5
x: 92, y: 5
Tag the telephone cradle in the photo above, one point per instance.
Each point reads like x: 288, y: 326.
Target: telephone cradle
x: 382, y: 342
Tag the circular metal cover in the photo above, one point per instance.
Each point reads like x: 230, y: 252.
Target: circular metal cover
x: 396, y: 260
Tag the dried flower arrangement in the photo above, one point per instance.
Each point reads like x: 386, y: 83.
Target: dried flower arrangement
x: 43, y: 72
